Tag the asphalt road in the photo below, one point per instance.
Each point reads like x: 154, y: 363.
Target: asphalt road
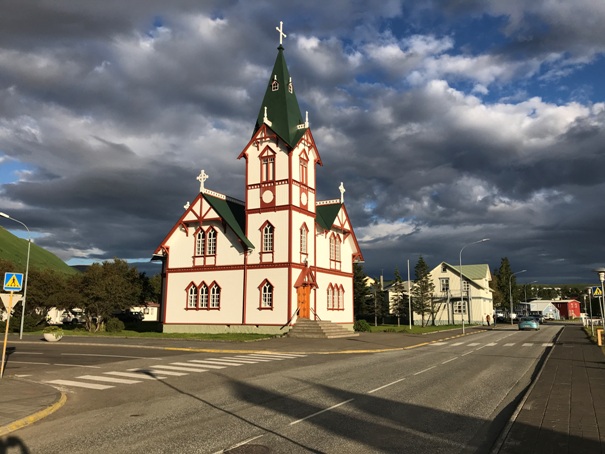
x: 447, y: 397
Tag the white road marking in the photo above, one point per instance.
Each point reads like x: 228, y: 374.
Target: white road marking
x: 386, y: 386
x: 449, y: 360
x: 510, y: 344
x: 527, y: 344
x: 78, y: 384
x: 438, y: 343
x: 137, y: 375
x: 474, y: 344
x: 491, y: 344
x: 158, y: 372
x: 321, y: 411
x: 187, y: 369
x: 547, y: 344
x: 425, y: 370
x: 108, y: 379
x: 206, y: 364
x: 216, y: 361
x: 240, y: 361
x: 246, y: 358
x: 458, y: 343
x: 111, y: 356
x: 78, y: 365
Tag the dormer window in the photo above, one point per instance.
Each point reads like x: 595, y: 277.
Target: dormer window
x: 274, y: 84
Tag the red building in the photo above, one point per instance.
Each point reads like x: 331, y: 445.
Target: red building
x: 569, y: 309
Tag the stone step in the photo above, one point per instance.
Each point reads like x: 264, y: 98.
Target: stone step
x: 319, y: 329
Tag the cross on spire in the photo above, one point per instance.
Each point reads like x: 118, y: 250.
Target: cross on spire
x: 280, y: 29
x: 341, y: 188
x: 202, y: 177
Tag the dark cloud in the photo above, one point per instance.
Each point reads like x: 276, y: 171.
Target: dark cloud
x: 113, y: 108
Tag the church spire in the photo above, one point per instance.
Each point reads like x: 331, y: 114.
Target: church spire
x: 279, y: 109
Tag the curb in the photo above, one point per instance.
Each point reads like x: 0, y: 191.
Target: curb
x: 23, y: 422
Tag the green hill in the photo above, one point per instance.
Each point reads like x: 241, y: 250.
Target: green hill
x: 14, y: 249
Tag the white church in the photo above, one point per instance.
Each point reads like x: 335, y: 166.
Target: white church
x: 280, y: 255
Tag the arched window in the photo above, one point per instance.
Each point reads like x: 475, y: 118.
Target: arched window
x: 330, y: 297
x: 215, y: 297
x: 200, y: 242
x: 274, y: 84
x: 341, y: 297
x: 211, y: 240
x: 268, y: 168
x: 267, y: 295
x: 192, y: 297
x: 304, y: 233
x: 268, y: 232
x: 304, y: 170
x: 204, y: 296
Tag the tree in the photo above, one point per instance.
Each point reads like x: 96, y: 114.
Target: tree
x: 108, y: 288
x: 423, y: 291
x: 399, y: 303
x: 361, y: 292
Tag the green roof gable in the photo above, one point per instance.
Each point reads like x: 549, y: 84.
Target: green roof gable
x: 281, y: 104
x: 234, y: 214
x: 325, y: 214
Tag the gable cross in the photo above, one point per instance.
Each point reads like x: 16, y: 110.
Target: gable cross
x: 341, y: 188
x: 280, y: 29
x: 202, y: 177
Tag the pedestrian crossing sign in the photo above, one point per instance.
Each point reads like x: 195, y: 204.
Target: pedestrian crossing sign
x: 13, y: 282
x: 596, y: 291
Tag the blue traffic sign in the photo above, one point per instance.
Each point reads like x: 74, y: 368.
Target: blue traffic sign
x: 13, y: 282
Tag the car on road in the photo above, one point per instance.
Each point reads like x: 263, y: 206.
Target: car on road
x: 528, y: 323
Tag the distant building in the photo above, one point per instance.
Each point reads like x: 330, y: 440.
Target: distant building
x: 544, y: 308
x: 569, y: 309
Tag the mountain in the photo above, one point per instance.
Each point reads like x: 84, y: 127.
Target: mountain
x: 14, y: 249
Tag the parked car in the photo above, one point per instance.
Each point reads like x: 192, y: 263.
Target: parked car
x: 528, y: 323
x: 74, y: 317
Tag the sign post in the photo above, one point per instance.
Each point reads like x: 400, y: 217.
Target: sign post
x: 12, y: 282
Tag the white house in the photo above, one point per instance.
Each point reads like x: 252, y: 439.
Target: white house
x: 474, y: 300
x: 540, y: 307
x: 255, y: 265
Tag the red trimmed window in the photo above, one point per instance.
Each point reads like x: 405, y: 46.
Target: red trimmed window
x: 215, y: 296
x: 330, y: 297
x: 268, y: 237
x: 267, y: 161
x: 304, y: 236
x: 203, y: 296
x: 304, y: 169
x: 192, y: 296
x: 266, y: 295
x: 200, y: 243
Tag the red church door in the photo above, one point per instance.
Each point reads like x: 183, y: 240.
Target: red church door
x: 304, y: 301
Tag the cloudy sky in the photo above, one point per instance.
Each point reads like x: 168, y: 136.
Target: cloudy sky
x: 447, y: 121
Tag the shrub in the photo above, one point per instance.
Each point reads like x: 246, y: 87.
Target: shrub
x: 362, y: 325
x: 114, y: 325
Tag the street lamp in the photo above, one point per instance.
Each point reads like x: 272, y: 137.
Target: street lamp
x: 525, y: 289
x: 510, y: 293
x: 601, y: 273
x: 460, y: 271
x: 29, y: 242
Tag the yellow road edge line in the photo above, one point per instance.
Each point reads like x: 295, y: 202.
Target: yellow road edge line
x: 23, y: 422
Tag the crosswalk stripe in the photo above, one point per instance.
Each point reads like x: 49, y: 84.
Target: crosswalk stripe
x: 474, y: 344
x: 206, y: 364
x: 137, y: 375
x: 187, y: 369
x: 79, y: 384
x: 158, y: 372
x: 458, y: 343
x: 201, y: 366
x: 439, y: 343
x: 108, y: 379
x: 510, y: 344
x: 491, y: 344
x: 216, y: 361
x: 527, y: 344
x: 237, y: 360
x: 269, y: 357
x: 547, y: 344
x: 255, y: 359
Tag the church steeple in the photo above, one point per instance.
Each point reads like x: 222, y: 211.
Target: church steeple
x: 279, y: 109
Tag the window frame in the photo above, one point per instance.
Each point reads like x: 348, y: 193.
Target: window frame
x: 266, y: 295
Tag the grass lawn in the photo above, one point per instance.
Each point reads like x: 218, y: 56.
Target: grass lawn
x: 414, y: 330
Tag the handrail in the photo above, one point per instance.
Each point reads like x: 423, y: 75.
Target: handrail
x: 291, y: 318
x: 317, y: 317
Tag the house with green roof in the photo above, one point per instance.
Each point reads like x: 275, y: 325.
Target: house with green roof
x: 462, y: 292
x: 280, y: 255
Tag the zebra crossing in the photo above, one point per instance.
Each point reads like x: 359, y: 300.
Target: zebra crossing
x: 132, y: 376
x: 491, y: 344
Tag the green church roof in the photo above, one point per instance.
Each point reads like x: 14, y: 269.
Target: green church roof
x: 325, y: 214
x: 281, y: 104
x: 234, y: 214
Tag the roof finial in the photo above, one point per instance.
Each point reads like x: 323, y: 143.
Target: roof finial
x: 342, y: 192
x: 282, y: 35
x: 202, y: 177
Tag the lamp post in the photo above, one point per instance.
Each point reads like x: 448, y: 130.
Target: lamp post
x: 589, y: 291
x: 601, y: 273
x: 510, y: 293
x: 460, y: 271
x: 525, y: 289
x: 29, y: 242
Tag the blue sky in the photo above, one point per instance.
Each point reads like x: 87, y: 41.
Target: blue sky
x: 447, y: 122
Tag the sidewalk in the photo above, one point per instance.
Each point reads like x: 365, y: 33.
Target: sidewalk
x: 563, y: 411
